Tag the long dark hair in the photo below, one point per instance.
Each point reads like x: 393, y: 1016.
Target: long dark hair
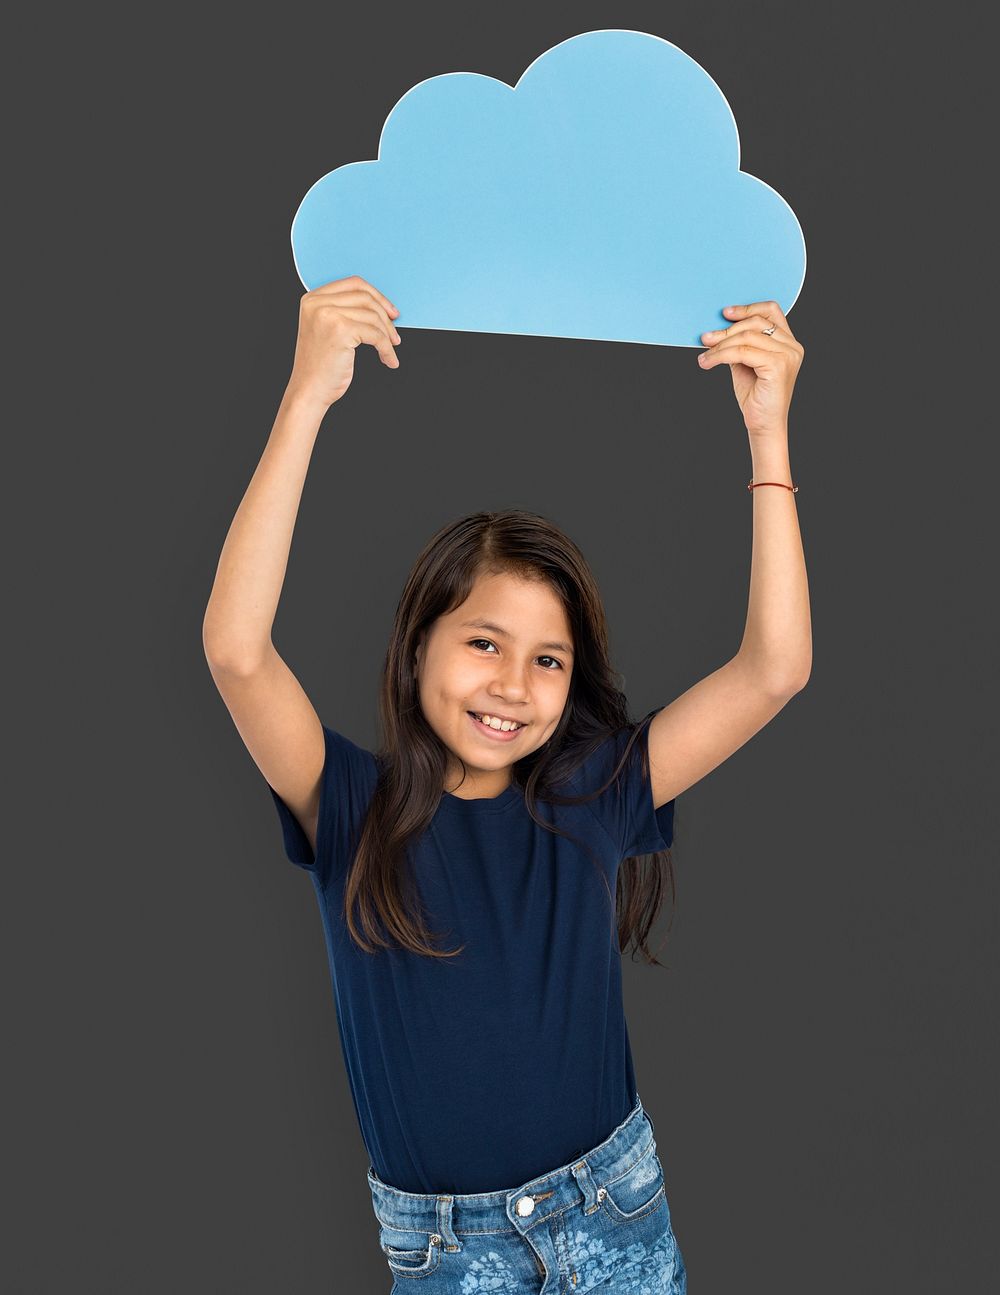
x: 380, y: 899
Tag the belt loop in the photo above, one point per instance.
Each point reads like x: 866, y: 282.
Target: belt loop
x: 585, y: 1182
x: 445, y: 1206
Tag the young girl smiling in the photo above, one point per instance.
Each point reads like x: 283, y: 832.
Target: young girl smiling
x: 481, y: 873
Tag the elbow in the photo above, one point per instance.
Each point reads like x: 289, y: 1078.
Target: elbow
x: 231, y: 658
x: 232, y: 664
x: 779, y: 679
x: 796, y: 682
x: 784, y: 684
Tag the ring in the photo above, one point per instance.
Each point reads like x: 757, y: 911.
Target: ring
x: 768, y: 331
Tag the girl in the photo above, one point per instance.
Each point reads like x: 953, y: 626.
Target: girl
x: 481, y: 874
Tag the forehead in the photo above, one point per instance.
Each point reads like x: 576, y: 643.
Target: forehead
x: 515, y: 609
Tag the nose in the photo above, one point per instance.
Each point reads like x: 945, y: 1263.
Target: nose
x: 510, y: 685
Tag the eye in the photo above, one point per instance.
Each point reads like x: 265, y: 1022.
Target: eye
x: 489, y: 643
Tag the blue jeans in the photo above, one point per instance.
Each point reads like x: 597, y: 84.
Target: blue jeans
x: 600, y: 1223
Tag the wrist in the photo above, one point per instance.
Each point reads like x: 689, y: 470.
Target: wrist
x: 303, y: 403
x: 771, y: 460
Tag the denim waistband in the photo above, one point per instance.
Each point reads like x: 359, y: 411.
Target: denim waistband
x: 523, y: 1207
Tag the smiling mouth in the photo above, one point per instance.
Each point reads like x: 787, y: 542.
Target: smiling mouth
x: 498, y: 726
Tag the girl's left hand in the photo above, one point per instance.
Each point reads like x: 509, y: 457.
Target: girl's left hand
x: 764, y: 367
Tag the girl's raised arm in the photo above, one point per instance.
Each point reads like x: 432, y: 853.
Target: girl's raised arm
x: 271, y: 711
x: 704, y: 725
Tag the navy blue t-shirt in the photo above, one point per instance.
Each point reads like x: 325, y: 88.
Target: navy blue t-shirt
x: 477, y: 1072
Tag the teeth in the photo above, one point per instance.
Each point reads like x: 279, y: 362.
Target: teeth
x: 502, y: 725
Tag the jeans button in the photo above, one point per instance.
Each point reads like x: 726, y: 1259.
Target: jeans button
x: 525, y: 1205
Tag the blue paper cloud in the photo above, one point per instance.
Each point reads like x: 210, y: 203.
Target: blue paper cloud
x: 600, y: 197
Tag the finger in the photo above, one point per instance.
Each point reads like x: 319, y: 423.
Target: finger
x: 382, y: 340
x: 753, y: 323
x: 364, y: 300
x: 355, y: 282
x: 735, y: 351
x: 769, y: 308
x: 371, y: 329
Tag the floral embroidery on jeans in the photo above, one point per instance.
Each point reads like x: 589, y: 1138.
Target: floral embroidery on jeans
x: 637, y: 1268
x: 490, y: 1273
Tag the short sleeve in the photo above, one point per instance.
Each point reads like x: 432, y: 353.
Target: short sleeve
x: 347, y: 784
x: 625, y: 809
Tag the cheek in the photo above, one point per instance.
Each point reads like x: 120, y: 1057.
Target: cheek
x: 453, y: 686
x: 465, y: 675
x: 560, y: 686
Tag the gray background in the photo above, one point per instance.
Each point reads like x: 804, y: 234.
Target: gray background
x: 819, y: 1057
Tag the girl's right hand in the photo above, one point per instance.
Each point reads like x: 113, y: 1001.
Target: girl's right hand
x: 333, y: 321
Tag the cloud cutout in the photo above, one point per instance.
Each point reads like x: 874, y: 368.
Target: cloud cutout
x: 601, y: 197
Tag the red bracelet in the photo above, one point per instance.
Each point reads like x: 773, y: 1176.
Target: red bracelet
x: 753, y: 484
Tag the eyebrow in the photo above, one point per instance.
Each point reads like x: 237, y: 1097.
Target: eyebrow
x: 498, y: 629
